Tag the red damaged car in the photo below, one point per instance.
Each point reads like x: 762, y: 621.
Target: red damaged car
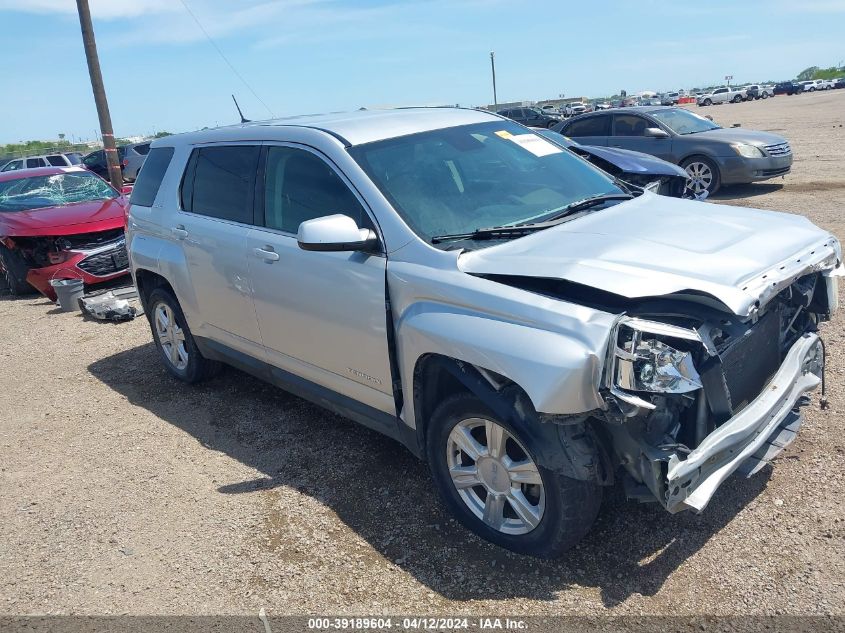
x: 59, y: 223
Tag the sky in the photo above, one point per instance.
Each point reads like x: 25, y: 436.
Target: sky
x: 161, y: 72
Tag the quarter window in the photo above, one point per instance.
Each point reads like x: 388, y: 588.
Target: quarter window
x: 299, y: 186
x: 220, y: 182
x: 149, y: 180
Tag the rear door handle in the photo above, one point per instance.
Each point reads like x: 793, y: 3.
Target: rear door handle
x: 179, y: 232
x: 267, y: 254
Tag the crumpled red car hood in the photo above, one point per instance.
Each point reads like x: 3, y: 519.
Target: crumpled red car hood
x: 81, y: 217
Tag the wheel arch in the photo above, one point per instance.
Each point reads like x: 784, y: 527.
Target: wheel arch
x: 146, y: 281
x: 567, y: 444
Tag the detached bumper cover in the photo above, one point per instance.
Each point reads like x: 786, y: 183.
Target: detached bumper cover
x: 756, y: 430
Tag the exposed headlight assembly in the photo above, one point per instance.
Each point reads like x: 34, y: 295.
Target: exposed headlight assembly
x: 748, y: 151
x: 645, y: 363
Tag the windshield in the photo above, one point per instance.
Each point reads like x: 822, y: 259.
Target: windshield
x: 39, y: 192
x: 683, y: 121
x: 459, y: 179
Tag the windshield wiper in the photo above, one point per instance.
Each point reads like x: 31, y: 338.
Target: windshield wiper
x: 518, y: 230
x: 491, y: 233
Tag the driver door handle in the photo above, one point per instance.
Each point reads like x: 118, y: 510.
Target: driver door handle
x: 179, y: 232
x: 267, y: 254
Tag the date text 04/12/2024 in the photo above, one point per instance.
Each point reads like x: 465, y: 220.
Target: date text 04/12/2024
x: 416, y: 623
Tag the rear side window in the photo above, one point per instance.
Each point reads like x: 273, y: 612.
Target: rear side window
x: 34, y: 162
x: 590, y: 126
x: 57, y: 161
x: 149, y: 179
x: 220, y: 182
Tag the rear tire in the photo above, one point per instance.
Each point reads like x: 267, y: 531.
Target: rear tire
x: 14, y: 272
x: 514, y: 503
x: 174, y: 341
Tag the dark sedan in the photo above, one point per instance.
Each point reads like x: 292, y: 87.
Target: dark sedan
x: 635, y: 168
x: 530, y: 117
x: 712, y: 156
x: 96, y: 162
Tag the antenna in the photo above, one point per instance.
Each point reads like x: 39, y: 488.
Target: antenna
x: 243, y: 120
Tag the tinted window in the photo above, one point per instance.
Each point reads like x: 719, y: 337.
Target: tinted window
x: 34, y: 162
x: 93, y: 159
x: 149, y: 179
x: 74, y: 158
x: 143, y: 149
x: 629, y: 125
x: 299, y: 186
x: 221, y: 183
x: 57, y: 161
x: 589, y: 126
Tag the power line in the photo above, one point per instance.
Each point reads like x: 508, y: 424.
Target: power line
x: 225, y: 59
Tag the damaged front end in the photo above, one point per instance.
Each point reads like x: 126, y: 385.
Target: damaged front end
x: 93, y: 257
x: 694, y: 393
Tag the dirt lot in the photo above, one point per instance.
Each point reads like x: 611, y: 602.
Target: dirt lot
x: 122, y: 491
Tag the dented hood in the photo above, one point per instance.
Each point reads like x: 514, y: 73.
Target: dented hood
x: 655, y: 245
x: 80, y: 217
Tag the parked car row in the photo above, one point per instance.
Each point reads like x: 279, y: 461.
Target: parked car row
x: 131, y: 158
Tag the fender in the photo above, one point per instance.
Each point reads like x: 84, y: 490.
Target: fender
x: 559, y: 372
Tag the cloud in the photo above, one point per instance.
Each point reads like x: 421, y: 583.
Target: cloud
x: 102, y: 9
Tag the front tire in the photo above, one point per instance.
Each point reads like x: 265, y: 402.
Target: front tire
x: 491, y: 483
x: 708, y: 102
x: 174, y: 341
x: 14, y: 273
x: 702, y: 175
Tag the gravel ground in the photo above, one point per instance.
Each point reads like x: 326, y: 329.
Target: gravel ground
x: 122, y: 491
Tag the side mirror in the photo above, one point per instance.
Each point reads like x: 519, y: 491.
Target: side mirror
x: 335, y: 233
x: 655, y: 132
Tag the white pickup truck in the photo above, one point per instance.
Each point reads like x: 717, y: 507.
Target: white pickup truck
x: 725, y: 94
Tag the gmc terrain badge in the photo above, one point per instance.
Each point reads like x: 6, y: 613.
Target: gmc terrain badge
x: 361, y: 374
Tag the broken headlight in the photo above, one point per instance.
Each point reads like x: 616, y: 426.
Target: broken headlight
x: 643, y: 362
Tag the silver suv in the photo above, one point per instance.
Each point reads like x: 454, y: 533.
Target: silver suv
x: 532, y: 328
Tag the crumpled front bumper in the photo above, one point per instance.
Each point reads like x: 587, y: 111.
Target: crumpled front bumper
x: 755, y: 433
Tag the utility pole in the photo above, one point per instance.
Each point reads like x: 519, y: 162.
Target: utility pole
x: 493, y: 68
x: 115, y: 176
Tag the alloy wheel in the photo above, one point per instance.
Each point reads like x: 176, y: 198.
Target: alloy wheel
x: 699, y: 178
x: 495, y: 476
x: 170, y: 336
